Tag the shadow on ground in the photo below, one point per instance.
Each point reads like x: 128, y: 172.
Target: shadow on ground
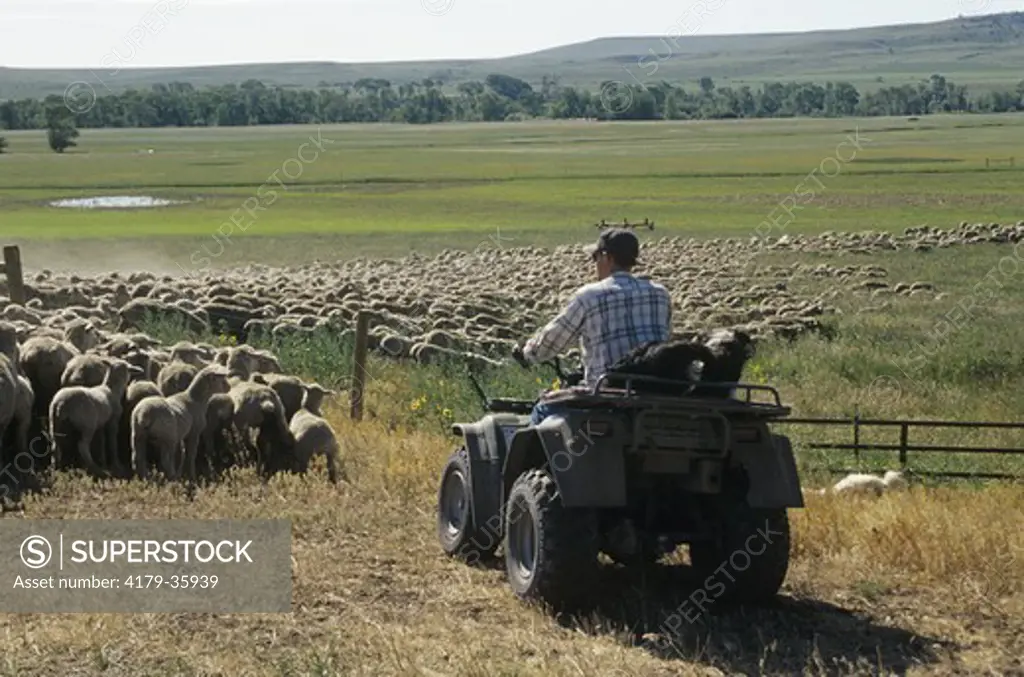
x: 789, y: 635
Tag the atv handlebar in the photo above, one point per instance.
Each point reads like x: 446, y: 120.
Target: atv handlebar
x: 567, y: 378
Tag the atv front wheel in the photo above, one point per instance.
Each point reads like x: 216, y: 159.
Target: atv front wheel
x: 457, y: 530
x: 550, y: 551
x: 749, y: 560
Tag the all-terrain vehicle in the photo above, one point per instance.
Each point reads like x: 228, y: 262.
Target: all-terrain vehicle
x: 631, y: 475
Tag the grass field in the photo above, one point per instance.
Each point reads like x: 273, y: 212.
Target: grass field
x: 541, y: 183
x: 927, y: 582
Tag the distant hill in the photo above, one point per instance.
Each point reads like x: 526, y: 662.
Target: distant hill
x: 984, y: 52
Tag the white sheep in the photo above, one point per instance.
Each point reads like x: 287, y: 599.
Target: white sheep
x: 189, y: 353
x: 137, y: 391
x: 21, y: 423
x: 169, y: 425
x: 82, y: 416
x: 215, y: 449
x: 313, y: 435
x: 871, y: 485
x: 258, y: 407
x: 9, y: 384
x: 290, y: 389
x: 86, y: 370
x: 895, y: 481
x: 175, y: 378
x: 43, y: 361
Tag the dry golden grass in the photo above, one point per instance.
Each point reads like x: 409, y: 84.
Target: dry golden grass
x: 927, y: 582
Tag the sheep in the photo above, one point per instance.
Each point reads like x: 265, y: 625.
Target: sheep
x: 136, y: 392
x: 86, y: 370
x: 183, y: 351
x: 14, y: 312
x: 870, y: 485
x: 9, y: 390
x: 859, y: 484
x: 175, y: 378
x: 214, y: 451
x: 138, y: 310
x: 894, y: 481
x: 82, y: 334
x: 169, y: 424
x: 266, y: 363
x: 21, y: 422
x: 290, y: 389
x: 83, y: 413
x: 150, y: 367
x: 258, y: 406
x: 43, y: 360
x: 313, y: 435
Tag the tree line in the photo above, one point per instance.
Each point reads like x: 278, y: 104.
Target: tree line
x: 498, y: 97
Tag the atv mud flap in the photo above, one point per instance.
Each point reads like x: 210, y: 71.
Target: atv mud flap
x: 588, y: 473
x: 774, y: 481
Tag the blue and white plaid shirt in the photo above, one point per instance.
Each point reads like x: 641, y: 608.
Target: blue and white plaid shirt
x: 611, y: 318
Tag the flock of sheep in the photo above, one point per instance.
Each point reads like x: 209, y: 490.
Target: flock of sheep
x: 114, y: 403
x: 476, y: 304
x: 74, y: 365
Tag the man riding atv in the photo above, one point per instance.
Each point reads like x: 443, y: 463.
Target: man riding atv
x: 610, y: 317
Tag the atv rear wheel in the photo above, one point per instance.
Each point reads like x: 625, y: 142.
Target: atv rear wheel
x: 456, y: 528
x: 550, y: 551
x: 751, y: 557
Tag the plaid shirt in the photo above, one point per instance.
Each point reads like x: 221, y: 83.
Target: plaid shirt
x: 611, y: 318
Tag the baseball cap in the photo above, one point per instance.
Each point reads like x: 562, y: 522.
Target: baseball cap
x: 622, y: 244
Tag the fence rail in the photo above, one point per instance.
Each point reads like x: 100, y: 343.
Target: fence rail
x: 904, y: 447
x: 989, y: 161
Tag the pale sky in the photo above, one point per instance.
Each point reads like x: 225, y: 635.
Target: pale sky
x: 86, y: 33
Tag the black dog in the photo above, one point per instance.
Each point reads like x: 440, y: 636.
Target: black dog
x: 674, y: 360
x: 730, y: 349
x: 719, y: 360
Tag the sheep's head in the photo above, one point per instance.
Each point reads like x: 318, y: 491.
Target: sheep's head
x: 210, y: 381
x: 238, y: 364
x: 314, y: 397
x: 9, y: 341
x: 119, y: 372
x: 189, y: 354
x: 141, y: 365
x: 82, y: 334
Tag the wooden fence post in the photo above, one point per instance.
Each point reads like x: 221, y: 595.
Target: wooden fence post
x: 359, y: 365
x: 15, y: 281
x: 856, y: 434
x: 904, y: 433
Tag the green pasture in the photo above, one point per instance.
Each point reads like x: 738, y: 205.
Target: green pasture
x: 372, y: 186
x: 386, y: 190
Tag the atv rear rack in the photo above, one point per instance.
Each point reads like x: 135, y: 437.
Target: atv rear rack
x: 602, y: 395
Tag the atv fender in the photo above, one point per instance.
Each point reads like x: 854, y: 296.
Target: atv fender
x: 771, y: 470
x: 586, y: 472
x: 486, y: 443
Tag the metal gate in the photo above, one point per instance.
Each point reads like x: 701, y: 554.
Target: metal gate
x: 905, y: 446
